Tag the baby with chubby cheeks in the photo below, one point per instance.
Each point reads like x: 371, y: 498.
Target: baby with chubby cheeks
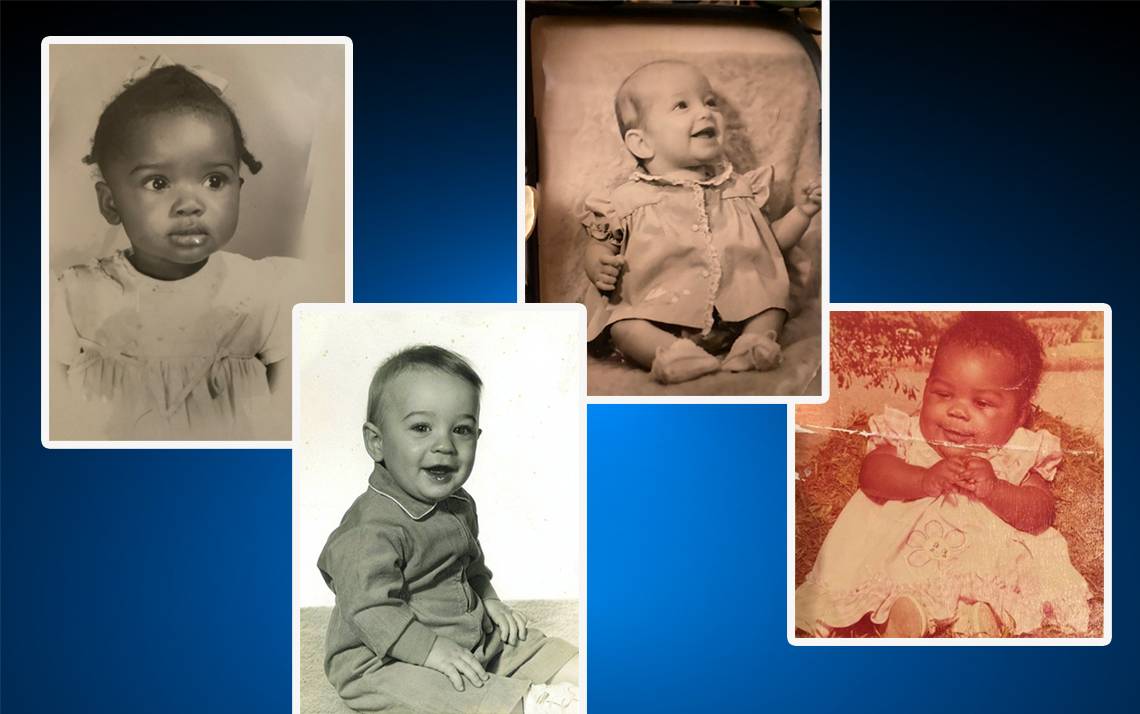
x: 683, y: 261
x: 951, y: 528
x: 173, y: 337
x: 417, y: 626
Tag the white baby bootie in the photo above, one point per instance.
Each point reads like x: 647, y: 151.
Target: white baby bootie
x: 551, y: 699
x: 682, y: 361
x: 752, y: 351
x: 906, y: 619
x: 976, y: 620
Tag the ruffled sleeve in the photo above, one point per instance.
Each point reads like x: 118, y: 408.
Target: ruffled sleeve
x: 285, y: 274
x: 1027, y: 451
x: 1048, y: 455
x: 760, y: 181
x: 891, y: 428
x: 601, y: 221
x: 64, y: 345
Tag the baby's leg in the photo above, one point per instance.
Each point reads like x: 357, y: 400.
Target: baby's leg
x: 402, y: 687
x: 568, y: 674
x: 771, y: 320
x: 757, y: 348
x: 639, y: 340
x: 906, y: 619
x: 669, y: 358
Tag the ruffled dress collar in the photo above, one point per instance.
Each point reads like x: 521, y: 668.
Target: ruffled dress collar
x: 720, y: 178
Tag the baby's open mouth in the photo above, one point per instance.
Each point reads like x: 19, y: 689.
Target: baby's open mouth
x: 706, y: 133
x: 440, y: 472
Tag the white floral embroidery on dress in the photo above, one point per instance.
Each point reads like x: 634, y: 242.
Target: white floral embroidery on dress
x: 934, y: 544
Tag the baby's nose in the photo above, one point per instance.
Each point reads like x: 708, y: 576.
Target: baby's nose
x: 444, y: 445
x: 187, y: 204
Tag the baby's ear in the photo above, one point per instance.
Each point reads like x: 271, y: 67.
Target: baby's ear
x: 638, y: 144
x: 107, y: 203
x: 373, y: 442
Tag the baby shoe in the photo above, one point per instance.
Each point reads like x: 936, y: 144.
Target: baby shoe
x: 976, y: 620
x: 906, y: 619
x: 751, y: 351
x: 551, y: 699
x: 682, y: 361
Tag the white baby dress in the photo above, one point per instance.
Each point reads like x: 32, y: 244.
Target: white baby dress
x: 179, y: 359
x: 944, y: 551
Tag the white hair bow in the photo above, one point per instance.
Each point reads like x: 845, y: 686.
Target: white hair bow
x: 147, y: 65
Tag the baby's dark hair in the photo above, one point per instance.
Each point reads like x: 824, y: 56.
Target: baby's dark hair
x: 167, y: 89
x: 1002, y: 332
x: 418, y: 357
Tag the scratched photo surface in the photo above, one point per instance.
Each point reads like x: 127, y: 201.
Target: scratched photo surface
x: 975, y: 569
x: 768, y: 92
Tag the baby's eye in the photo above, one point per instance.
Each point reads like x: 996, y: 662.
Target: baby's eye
x: 465, y: 430
x: 983, y: 403
x: 421, y: 428
x: 216, y: 181
x: 681, y: 105
x: 156, y: 183
x: 711, y: 102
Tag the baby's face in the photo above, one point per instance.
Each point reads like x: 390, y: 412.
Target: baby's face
x: 681, y: 121
x: 972, y: 401
x: 174, y: 185
x: 429, y: 427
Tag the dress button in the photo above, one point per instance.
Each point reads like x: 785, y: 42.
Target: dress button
x: 696, y: 227
x: 704, y: 273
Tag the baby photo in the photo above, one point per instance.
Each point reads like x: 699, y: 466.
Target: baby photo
x: 680, y: 198
x: 194, y: 194
x: 439, y: 478
x: 954, y: 484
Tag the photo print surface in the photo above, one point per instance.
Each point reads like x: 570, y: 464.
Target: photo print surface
x: 195, y: 193
x: 439, y: 559
x: 953, y: 487
x: 680, y: 199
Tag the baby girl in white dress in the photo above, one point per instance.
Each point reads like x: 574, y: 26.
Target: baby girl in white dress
x: 172, y: 338
x: 951, y: 528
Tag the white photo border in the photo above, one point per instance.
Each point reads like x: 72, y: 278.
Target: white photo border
x: 825, y: 229
x: 1106, y: 635
x: 45, y: 277
x: 428, y: 308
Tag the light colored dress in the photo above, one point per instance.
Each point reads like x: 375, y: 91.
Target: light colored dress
x: 942, y: 551
x: 178, y: 359
x: 690, y: 247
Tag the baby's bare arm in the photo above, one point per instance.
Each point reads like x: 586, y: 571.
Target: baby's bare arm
x: 602, y: 264
x: 791, y: 228
x: 1029, y: 507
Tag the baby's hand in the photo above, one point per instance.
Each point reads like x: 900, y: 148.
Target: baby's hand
x: 810, y: 200
x: 512, y: 625
x: 944, y: 477
x: 456, y: 663
x: 602, y: 266
x: 979, y: 478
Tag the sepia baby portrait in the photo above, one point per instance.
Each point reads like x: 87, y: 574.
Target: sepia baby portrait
x: 687, y: 220
x: 196, y: 194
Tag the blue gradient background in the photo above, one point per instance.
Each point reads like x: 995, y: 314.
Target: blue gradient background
x: 979, y: 152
